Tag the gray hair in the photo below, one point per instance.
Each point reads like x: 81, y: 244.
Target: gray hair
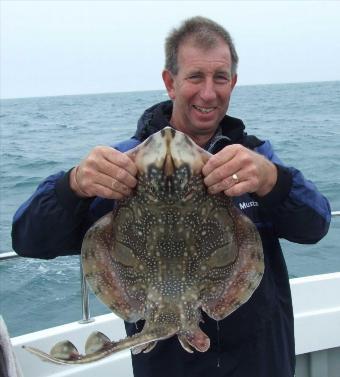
x: 206, y: 34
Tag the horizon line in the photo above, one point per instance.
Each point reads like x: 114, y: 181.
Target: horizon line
x: 157, y: 90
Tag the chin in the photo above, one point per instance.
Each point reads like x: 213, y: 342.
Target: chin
x: 205, y: 128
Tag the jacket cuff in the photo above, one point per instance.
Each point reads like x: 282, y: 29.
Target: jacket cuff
x: 280, y: 191
x: 68, y: 199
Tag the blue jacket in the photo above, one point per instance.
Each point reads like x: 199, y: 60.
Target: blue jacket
x: 256, y: 340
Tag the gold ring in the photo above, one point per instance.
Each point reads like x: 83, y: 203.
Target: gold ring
x: 235, y: 177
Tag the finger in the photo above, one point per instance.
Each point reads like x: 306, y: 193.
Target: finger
x: 107, y: 193
x: 220, y: 158
x: 238, y: 189
x: 223, y: 172
x: 122, y: 160
x: 225, y: 184
x: 113, y: 184
x: 121, y: 175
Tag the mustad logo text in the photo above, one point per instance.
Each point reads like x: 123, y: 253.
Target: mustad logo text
x: 244, y: 205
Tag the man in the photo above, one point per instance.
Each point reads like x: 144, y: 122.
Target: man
x: 257, y: 340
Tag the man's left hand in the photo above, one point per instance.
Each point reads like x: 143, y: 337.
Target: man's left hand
x: 236, y: 170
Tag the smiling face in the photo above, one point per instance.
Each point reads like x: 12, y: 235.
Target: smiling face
x: 201, y: 89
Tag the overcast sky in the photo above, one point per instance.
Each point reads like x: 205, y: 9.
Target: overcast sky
x: 79, y: 47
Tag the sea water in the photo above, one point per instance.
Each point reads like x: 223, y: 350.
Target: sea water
x: 41, y: 136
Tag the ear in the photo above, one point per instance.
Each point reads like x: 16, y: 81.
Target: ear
x: 233, y: 81
x: 169, y: 83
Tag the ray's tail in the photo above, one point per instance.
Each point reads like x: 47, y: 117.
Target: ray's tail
x: 99, y: 346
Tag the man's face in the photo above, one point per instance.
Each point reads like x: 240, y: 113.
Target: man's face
x: 201, y: 89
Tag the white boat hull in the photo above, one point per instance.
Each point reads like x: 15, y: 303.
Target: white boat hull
x: 316, y: 301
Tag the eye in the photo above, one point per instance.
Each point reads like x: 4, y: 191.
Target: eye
x: 222, y: 79
x: 195, y: 77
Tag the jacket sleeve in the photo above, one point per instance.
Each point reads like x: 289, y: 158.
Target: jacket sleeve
x: 52, y: 222
x: 298, y: 211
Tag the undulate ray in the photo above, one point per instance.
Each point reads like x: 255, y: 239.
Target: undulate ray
x: 167, y: 252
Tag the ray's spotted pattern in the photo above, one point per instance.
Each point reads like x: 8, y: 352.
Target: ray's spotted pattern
x: 167, y: 252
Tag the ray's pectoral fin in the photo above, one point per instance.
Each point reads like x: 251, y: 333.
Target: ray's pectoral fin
x: 244, y: 274
x: 101, y: 272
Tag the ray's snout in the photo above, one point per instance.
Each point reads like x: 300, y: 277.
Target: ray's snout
x: 168, y: 135
x: 168, y: 150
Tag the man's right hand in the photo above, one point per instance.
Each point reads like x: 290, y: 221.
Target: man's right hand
x: 105, y: 172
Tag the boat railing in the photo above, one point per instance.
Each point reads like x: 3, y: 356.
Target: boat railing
x: 85, y: 300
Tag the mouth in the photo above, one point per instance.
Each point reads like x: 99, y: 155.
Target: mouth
x: 204, y: 110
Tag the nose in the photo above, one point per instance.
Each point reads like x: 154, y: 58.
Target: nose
x: 208, y: 90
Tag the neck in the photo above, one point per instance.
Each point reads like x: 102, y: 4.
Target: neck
x: 200, y: 138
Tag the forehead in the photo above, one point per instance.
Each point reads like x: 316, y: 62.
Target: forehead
x: 193, y: 56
